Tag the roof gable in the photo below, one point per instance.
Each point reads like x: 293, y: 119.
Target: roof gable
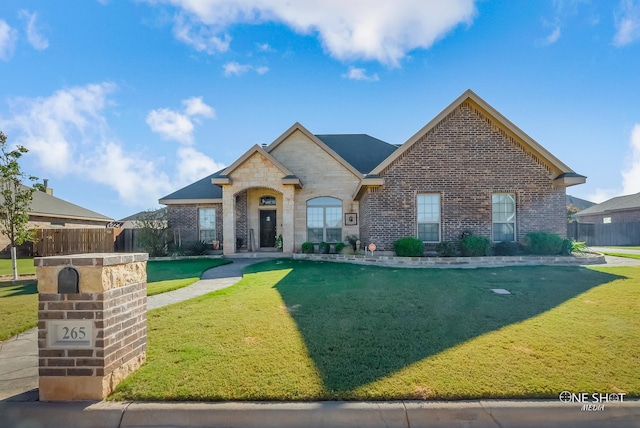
x: 497, y: 120
x: 298, y: 127
x: 253, y: 150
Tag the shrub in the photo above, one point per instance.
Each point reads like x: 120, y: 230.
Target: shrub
x: 408, y: 247
x: 352, y: 240
x: 569, y: 246
x: 348, y: 251
x: 198, y: 248
x: 543, y: 243
x: 307, y: 247
x: 324, y: 248
x: 475, y: 246
x: 505, y: 248
x: 446, y: 249
x: 339, y: 247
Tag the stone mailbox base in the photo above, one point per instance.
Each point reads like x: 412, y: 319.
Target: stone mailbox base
x: 91, y: 340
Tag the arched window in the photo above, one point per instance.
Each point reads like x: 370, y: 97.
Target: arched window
x: 324, y: 220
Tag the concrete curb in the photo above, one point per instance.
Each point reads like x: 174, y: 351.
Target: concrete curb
x: 477, y: 414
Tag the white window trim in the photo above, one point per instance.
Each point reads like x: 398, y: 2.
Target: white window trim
x: 515, y: 216
x: 324, y: 217
x: 439, y: 222
x: 215, y: 220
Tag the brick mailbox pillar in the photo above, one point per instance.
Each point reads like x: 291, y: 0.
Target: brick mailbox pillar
x: 92, y: 323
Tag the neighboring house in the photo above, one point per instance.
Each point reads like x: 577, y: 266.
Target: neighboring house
x: 133, y: 221
x: 468, y: 169
x: 621, y: 209
x: 48, y: 212
x: 579, y: 204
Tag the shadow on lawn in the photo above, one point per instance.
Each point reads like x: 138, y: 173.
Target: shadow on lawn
x: 361, y: 324
x: 21, y: 287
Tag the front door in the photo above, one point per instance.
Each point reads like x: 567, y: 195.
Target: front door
x: 267, y: 228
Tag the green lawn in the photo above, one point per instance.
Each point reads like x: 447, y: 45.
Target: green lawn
x: 627, y: 255
x: 300, y: 330
x: 18, y: 307
x: 163, y: 275
x: 25, y: 267
x: 19, y: 302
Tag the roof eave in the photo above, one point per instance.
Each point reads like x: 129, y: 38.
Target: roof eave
x: 190, y: 201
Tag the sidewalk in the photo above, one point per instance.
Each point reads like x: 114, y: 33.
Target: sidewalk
x: 411, y: 414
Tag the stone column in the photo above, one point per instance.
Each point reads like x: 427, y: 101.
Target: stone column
x: 92, y: 323
x: 288, y: 219
x: 228, y: 221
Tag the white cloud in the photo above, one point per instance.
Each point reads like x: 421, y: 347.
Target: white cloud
x: 173, y: 125
x: 627, y: 23
x: 553, y: 37
x: 236, y: 69
x: 202, y: 39
x: 381, y: 30
x: 8, y: 38
x: 264, y: 47
x: 68, y: 134
x: 194, y: 106
x: 631, y: 174
x: 360, y: 74
x: 193, y: 165
x: 33, y: 35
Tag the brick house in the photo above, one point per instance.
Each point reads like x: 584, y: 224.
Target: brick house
x: 468, y: 169
x: 621, y: 209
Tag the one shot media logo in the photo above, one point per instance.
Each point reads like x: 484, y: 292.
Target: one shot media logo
x: 592, y: 401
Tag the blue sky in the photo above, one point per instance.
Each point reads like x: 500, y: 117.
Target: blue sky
x: 122, y: 102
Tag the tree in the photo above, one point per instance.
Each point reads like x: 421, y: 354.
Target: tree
x: 571, y: 210
x: 154, y: 232
x: 16, y: 203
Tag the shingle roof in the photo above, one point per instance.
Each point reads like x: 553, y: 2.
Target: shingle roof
x: 362, y: 151
x: 580, y: 204
x: 201, y: 189
x: 618, y: 203
x: 46, y: 205
x: 139, y: 215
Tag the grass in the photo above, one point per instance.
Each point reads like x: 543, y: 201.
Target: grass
x: 169, y: 275
x: 300, y: 330
x: 25, y: 267
x: 19, y: 302
x: 18, y: 307
x: 627, y: 255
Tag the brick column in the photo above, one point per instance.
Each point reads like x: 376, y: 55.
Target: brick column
x: 288, y: 219
x: 91, y: 340
x: 229, y: 220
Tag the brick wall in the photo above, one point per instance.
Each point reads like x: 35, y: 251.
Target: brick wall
x: 120, y: 324
x: 183, y: 219
x: 241, y: 220
x: 465, y: 159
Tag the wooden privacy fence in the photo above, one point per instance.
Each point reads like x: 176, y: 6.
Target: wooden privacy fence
x: 601, y: 234
x: 56, y: 242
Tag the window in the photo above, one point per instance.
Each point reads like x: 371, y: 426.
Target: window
x: 207, y: 224
x: 267, y: 200
x: 606, y: 220
x: 324, y: 220
x: 429, y: 217
x: 504, y: 216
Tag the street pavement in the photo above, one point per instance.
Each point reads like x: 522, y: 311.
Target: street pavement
x: 19, y: 406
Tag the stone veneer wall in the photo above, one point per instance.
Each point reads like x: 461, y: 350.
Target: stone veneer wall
x: 113, y: 296
x: 465, y: 158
